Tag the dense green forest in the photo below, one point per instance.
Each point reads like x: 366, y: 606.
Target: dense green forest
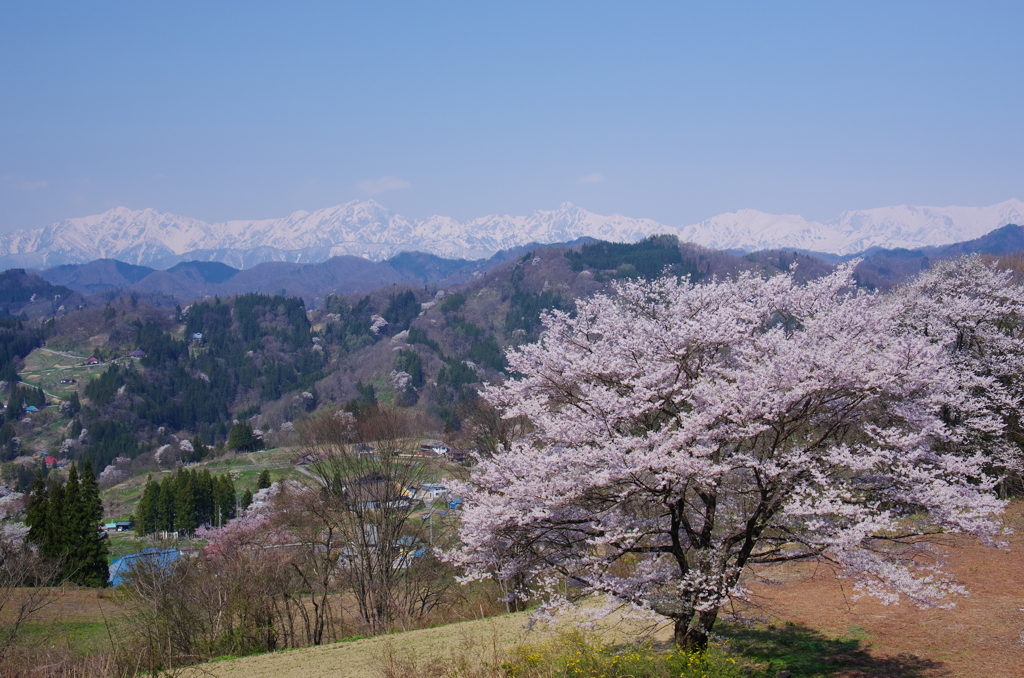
x: 17, y: 339
x: 235, y: 354
x: 646, y: 259
x: 186, y: 501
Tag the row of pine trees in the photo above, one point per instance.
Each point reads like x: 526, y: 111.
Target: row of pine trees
x: 184, y: 501
x: 64, y: 522
x: 64, y: 518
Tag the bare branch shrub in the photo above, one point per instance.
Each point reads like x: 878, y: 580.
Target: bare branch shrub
x: 370, y: 470
x: 25, y: 587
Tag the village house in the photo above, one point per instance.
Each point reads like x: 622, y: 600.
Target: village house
x: 432, y: 491
x: 373, y: 491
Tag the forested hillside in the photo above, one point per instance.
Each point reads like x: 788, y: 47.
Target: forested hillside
x: 268, y: 360
x: 23, y: 294
x: 223, y: 361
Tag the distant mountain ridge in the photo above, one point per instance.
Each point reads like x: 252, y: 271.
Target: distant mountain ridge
x: 901, y: 227
x: 368, y: 230
x: 100, y: 281
x: 189, y: 280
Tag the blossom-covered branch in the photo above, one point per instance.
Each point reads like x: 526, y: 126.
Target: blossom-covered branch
x: 683, y: 432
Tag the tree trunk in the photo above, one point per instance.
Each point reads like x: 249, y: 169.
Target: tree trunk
x: 695, y: 637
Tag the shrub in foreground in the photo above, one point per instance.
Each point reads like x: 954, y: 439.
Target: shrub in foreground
x: 568, y: 655
x: 576, y: 654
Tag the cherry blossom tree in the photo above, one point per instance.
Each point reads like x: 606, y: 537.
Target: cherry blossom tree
x: 976, y: 312
x: 683, y: 433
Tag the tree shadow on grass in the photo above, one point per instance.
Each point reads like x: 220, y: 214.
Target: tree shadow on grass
x: 807, y: 653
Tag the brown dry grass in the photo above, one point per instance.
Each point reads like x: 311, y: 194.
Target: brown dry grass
x: 73, y: 604
x: 982, y: 636
x: 362, y: 658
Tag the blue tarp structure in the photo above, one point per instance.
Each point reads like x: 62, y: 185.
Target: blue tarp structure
x: 120, y: 567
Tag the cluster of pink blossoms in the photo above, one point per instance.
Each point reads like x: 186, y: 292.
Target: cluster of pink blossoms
x: 685, y: 432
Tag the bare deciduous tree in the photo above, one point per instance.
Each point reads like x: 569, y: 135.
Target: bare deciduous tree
x: 370, y: 471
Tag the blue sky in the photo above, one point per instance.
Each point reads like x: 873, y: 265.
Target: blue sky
x: 672, y: 111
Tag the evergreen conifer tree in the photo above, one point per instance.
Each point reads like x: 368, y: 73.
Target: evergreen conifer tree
x: 203, y: 484
x: 147, y: 513
x: 241, y: 437
x: 166, y: 504
x: 74, y: 404
x: 224, y: 499
x: 53, y: 538
x: 185, y: 502
x: 15, y: 405
x: 35, y: 397
x: 199, y: 450
x: 263, y: 481
x: 37, y: 509
x: 64, y: 521
x: 246, y: 498
x: 75, y: 522
x: 92, y: 548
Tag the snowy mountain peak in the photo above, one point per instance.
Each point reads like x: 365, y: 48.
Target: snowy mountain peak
x: 368, y: 229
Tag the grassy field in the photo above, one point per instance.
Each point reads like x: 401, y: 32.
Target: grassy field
x: 79, y: 618
x: 245, y: 467
x: 82, y: 636
x: 45, y: 368
x: 483, y: 640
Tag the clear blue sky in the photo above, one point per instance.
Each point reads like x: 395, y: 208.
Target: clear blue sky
x: 672, y: 111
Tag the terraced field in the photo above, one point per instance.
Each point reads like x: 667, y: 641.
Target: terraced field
x: 46, y: 368
x: 120, y: 500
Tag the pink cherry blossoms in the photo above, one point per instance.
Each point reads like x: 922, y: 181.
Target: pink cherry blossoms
x: 684, y: 432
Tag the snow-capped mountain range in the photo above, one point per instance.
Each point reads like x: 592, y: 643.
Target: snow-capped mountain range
x: 366, y: 229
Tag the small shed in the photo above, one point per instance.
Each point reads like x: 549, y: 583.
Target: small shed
x: 137, y: 353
